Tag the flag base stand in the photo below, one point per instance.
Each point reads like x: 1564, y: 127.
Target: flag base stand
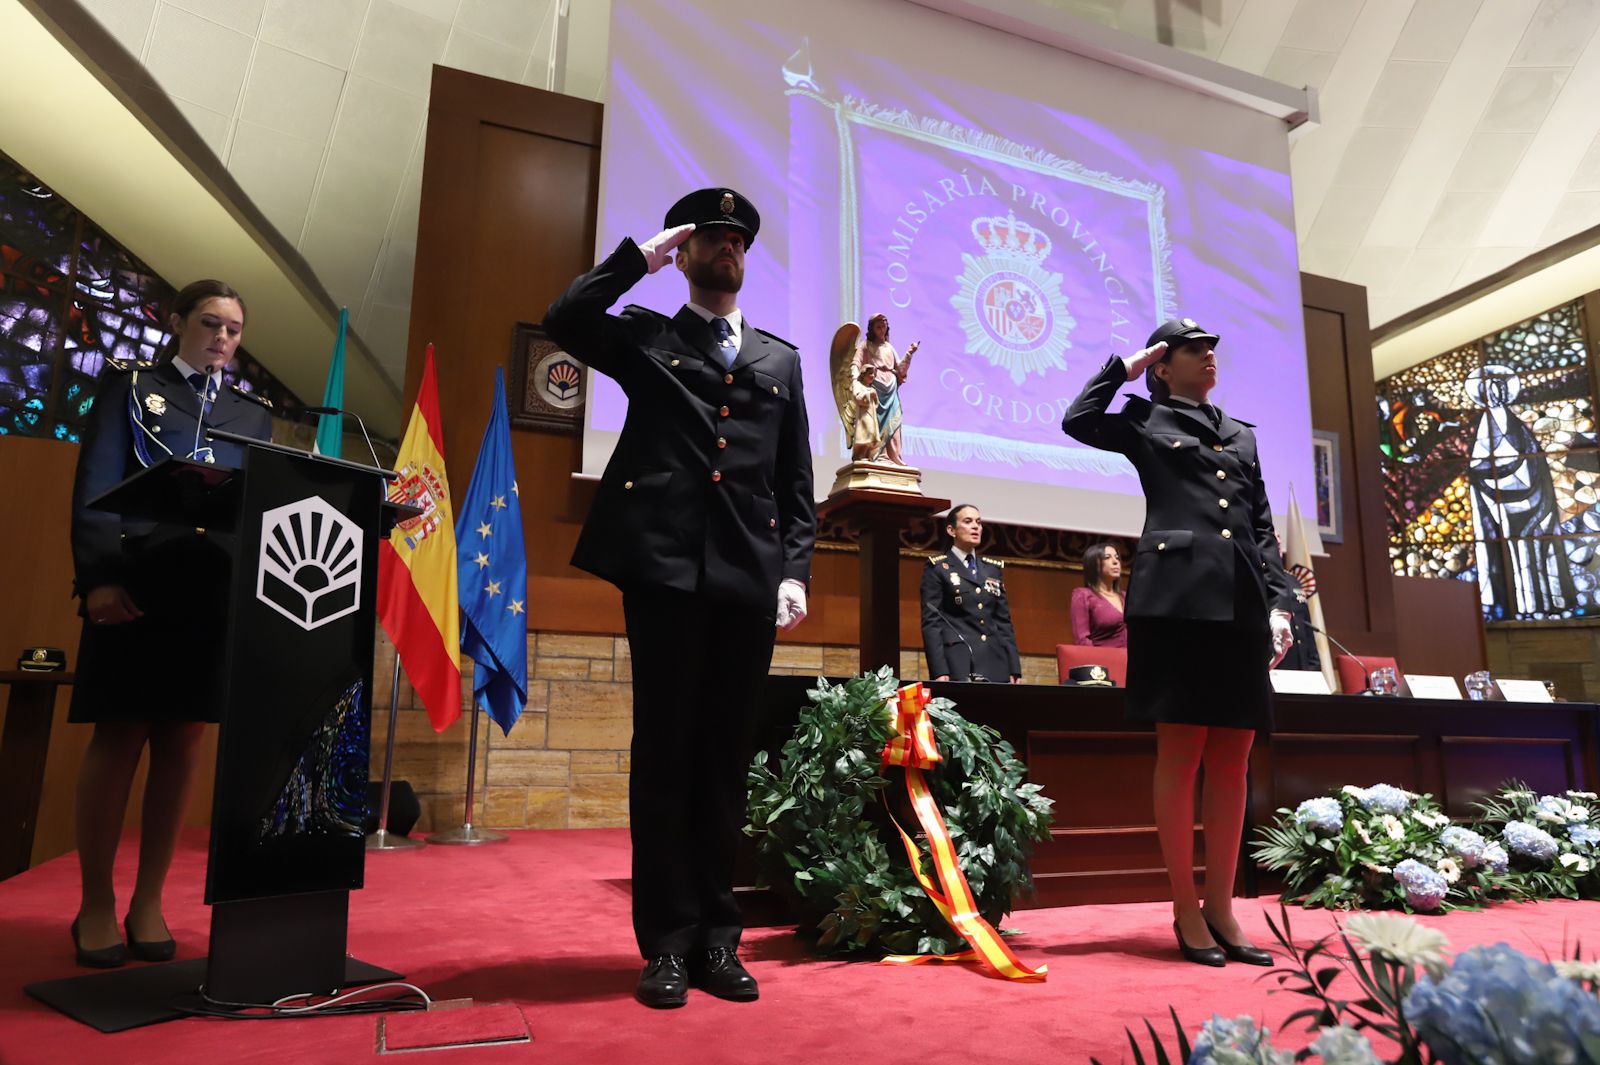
x: 468, y: 834
x: 384, y: 840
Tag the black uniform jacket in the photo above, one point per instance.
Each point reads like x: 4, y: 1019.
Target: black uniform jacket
x: 709, y: 488
x: 102, y: 542
x: 966, y: 625
x: 1206, y: 508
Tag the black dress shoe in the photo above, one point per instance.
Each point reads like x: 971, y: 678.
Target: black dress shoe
x: 1234, y: 952
x: 664, y: 984
x: 110, y: 957
x: 1199, y: 955
x: 150, y: 949
x: 718, y: 972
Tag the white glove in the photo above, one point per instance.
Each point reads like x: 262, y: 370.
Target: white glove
x: 1137, y: 363
x: 791, y: 604
x: 1282, y: 637
x: 659, y: 248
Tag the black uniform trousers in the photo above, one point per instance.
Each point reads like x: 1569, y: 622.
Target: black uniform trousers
x: 699, y: 667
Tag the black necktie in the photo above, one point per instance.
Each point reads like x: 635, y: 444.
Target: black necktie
x: 1212, y: 414
x: 972, y: 566
x: 201, y: 383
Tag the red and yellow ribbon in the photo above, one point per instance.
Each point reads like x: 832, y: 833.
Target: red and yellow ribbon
x: 914, y: 748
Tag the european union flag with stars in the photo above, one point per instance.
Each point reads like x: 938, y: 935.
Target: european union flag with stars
x: 493, y: 568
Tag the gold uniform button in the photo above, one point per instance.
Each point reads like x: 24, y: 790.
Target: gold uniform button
x: 1216, y: 447
x: 983, y: 637
x: 722, y: 442
x: 155, y: 429
x: 727, y: 378
x: 980, y: 606
x: 1177, y: 443
x: 1161, y: 546
x: 1223, y: 503
x: 627, y: 484
x: 1222, y: 475
x: 674, y: 362
x: 716, y: 475
x: 982, y: 622
x: 774, y: 389
x: 1227, y: 534
x: 772, y: 523
x: 723, y: 412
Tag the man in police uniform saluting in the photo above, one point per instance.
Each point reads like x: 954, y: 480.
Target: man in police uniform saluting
x: 966, y: 625
x: 705, y: 520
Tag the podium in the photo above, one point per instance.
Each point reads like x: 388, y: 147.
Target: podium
x: 287, y: 844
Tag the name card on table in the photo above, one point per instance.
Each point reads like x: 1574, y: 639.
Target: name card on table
x: 1425, y: 686
x: 1524, y: 691
x: 1299, y: 682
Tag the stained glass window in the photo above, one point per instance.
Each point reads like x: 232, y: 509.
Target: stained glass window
x: 1492, y: 469
x: 70, y: 297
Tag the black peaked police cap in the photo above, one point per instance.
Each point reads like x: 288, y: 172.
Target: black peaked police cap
x: 1177, y: 332
x: 716, y: 207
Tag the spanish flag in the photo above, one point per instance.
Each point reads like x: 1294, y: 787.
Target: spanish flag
x: 417, y: 601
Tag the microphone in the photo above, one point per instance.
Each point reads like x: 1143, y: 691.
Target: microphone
x: 972, y: 659
x: 338, y: 413
x: 1366, y: 679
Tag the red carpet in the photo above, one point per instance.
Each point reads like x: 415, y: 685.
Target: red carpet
x: 542, y: 922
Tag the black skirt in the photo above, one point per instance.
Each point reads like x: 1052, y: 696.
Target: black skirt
x: 1210, y: 673
x: 166, y: 665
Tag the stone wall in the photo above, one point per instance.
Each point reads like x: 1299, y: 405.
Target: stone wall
x: 565, y: 764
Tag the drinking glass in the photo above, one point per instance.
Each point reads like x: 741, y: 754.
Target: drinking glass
x: 1480, y: 685
x: 1384, y: 681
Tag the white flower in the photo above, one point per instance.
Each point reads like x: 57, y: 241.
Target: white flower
x: 1384, y: 869
x: 1576, y: 862
x: 1579, y: 970
x: 1392, y: 826
x: 1351, y: 789
x: 1344, y: 1046
x: 1449, y: 870
x: 1399, y: 939
x: 1430, y: 819
x: 1520, y: 795
x: 1582, y: 795
x: 1361, y: 830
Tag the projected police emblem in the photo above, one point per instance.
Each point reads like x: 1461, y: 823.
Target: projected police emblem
x: 310, y: 563
x: 1012, y: 309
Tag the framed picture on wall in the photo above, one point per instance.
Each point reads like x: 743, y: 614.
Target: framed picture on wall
x: 547, y: 384
x: 1325, y: 466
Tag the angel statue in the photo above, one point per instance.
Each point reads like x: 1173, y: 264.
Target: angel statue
x: 867, y: 376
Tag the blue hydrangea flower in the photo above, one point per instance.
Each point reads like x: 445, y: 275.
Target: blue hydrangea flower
x: 1384, y: 798
x: 1498, y: 1005
x: 1465, y: 844
x: 1425, y: 888
x: 1236, y: 1042
x: 1344, y: 1046
x: 1585, y: 835
x: 1320, y: 815
x: 1522, y: 838
x: 1496, y: 858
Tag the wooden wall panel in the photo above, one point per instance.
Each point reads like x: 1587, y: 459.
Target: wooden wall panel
x: 1439, y: 627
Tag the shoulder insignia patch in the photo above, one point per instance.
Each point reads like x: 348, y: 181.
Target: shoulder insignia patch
x: 129, y: 365
x: 934, y: 560
x: 993, y: 561
x: 256, y: 396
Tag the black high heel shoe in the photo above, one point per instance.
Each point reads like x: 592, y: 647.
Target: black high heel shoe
x: 1235, y: 952
x: 150, y: 949
x: 111, y: 957
x: 1212, y: 956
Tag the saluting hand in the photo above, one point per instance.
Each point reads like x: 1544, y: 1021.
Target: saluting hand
x: 1137, y: 364
x: 659, y: 248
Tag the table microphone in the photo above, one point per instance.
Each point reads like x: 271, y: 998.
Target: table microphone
x: 1366, y: 678
x: 339, y: 413
x: 972, y: 659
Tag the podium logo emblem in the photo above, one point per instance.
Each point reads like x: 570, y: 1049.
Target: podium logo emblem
x: 310, y: 565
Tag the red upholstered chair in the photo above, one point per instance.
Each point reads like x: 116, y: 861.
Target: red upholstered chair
x: 1115, y: 659
x: 1353, y: 675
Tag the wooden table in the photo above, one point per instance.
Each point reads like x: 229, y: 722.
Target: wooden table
x: 24, y: 744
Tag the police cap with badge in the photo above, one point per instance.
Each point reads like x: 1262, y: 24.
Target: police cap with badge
x: 1090, y: 677
x: 1176, y: 332
x: 716, y: 207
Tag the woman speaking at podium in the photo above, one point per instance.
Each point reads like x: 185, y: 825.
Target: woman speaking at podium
x: 152, y: 599
x: 1206, y: 611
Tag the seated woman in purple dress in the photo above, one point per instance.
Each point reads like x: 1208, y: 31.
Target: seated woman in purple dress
x: 1097, y: 606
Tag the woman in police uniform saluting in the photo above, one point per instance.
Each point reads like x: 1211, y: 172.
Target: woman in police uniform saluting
x: 1206, y: 610
x: 152, y: 599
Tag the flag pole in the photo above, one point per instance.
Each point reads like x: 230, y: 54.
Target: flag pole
x: 381, y: 840
x: 467, y: 832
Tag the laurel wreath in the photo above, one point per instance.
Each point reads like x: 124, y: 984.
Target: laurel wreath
x: 820, y: 820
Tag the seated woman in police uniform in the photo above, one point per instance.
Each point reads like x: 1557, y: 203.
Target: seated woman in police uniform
x: 152, y: 601
x: 1207, y: 611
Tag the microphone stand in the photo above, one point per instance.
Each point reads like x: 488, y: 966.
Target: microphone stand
x: 972, y: 659
x: 1366, y: 678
